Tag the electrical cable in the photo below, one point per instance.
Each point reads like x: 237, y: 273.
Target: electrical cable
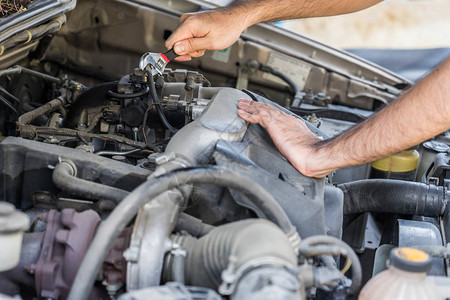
x: 112, y: 153
x: 11, y: 96
x: 129, y: 96
x: 158, y: 106
x: 144, y: 121
x: 268, y: 69
x: 347, y: 265
x: 8, y: 104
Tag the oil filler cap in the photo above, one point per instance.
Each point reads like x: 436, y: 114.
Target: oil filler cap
x: 410, y: 260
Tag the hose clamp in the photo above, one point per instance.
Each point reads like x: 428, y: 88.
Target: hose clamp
x: 70, y: 163
x: 231, y: 275
x: 178, y: 250
x: 295, y: 240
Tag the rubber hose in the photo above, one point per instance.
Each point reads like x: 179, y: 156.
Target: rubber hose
x: 328, y: 246
x: 158, y: 106
x: 43, y: 76
x: 35, y: 33
x: 128, y: 96
x: 269, y: 69
x: 64, y: 177
x: 287, y: 80
x: 50, y: 106
x: 246, y: 241
x: 435, y: 250
x: 128, y: 208
x: 393, y: 196
x: 192, y: 225
x: 18, y: 70
x: 11, y: 71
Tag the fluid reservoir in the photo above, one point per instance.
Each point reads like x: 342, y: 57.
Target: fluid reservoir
x: 12, y: 225
x: 405, y: 279
x: 402, y: 166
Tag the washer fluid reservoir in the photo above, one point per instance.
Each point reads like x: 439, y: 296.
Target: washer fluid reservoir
x: 401, y: 166
x: 405, y: 279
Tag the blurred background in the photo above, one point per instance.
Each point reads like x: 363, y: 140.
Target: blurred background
x: 405, y: 36
x: 410, y: 37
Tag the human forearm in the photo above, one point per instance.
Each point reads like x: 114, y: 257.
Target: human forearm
x: 256, y: 11
x: 418, y: 115
x: 220, y: 28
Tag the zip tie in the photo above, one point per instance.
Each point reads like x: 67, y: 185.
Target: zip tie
x: 60, y: 24
x: 30, y: 36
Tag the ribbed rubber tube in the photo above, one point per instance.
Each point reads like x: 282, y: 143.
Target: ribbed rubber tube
x: 393, y: 196
x: 245, y: 241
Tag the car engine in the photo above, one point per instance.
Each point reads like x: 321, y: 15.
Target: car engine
x: 144, y: 186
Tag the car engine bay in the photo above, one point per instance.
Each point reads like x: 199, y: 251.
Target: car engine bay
x: 141, y: 186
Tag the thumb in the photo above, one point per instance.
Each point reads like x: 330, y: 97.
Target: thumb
x: 192, y: 45
x: 181, y: 33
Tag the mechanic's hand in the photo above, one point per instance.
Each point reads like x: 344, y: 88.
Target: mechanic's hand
x: 290, y: 135
x: 208, y: 30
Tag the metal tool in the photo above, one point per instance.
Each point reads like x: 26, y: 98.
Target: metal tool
x: 156, y: 61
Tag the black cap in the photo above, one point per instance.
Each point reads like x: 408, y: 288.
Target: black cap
x: 410, y: 259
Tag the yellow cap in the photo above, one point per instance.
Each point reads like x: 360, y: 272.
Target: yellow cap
x: 410, y: 260
x: 404, y: 161
x: 411, y: 254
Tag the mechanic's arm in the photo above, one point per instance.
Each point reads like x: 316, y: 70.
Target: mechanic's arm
x: 220, y: 28
x: 419, y: 114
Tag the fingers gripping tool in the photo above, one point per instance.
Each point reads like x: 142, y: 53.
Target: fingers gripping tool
x: 156, y: 62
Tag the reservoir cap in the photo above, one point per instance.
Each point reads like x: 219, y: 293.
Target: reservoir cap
x: 410, y: 259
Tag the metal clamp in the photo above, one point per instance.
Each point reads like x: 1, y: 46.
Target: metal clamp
x: 230, y: 276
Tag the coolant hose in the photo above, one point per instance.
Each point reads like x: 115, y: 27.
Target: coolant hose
x: 327, y: 245
x: 252, y: 242
x: 393, y: 196
x: 192, y: 225
x: 128, y: 208
x: 64, y: 177
x: 48, y: 107
x: 435, y: 250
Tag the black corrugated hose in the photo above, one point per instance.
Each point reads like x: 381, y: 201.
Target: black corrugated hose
x: 394, y: 196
